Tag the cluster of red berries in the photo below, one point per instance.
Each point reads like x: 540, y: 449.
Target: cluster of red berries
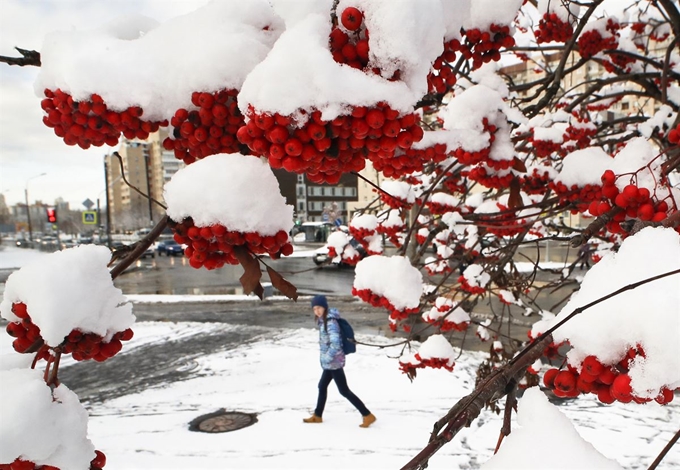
x: 97, y: 463
x: 536, y: 181
x: 439, y: 208
x: 609, y: 383
x: 483, y: 47
x: 212, y: 247
x: 578, y: 137
x: 635, y: 202
x: 407, y: 161
x: 421, y: 235
x: 581, y: 197
x: 603, y: 105
x: 488, y: 178
x: 446, y: 325
x: 209, y: 130
x: 435, y: 266
x: 454, y: 183
x: 467, y: 287
x: 591, y: 42
x: 393, y: 202
x: 469, y: 158
x: 25, y: 331
x: 352, y: 47
x: 363, y: 236
x: 545, y: 148
x: 90, y: 122
x: 505, y: 223
x: 436, y: 363
x: 617, y: 60
x: 443, y: 76
x: 324, y: 150
x: 674, y: 135
x: 82, y: 346
x: 552, y: 28
x: 392, y: 232
x: 379, y: 301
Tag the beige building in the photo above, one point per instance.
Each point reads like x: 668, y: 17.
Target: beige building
x: 148, y: 166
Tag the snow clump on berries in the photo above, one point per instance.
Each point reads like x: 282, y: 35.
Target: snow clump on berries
x: 308, y: 77
x: 228, y: 39
x: 69, y: 290
x: 645, y: 316
x: 55, y: 420
x: 231, y: 200
x: 392, y: 277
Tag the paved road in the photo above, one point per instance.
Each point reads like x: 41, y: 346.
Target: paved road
x: 173, y: 275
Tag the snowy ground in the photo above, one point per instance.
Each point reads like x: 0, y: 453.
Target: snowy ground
x: 275, y: 376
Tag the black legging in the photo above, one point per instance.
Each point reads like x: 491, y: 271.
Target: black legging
x: 339, y: 376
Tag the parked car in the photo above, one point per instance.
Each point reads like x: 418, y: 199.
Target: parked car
x: 169, y: 248
x: 149, y: 253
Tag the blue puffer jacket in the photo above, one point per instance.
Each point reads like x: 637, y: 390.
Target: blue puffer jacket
x: 330, y: 342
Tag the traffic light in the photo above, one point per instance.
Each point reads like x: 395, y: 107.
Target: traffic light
x: 52, y: 215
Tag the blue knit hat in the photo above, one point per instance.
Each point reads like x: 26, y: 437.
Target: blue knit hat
x: 320, y: 300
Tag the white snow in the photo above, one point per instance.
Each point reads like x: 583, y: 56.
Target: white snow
x: 233, y: 200
x: 545, y: 439
x: 212, y: 48
x: 44, y: 426
x: 392, y: 277
x: 67, y: 290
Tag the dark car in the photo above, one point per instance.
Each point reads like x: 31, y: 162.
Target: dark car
x: 169, y: 248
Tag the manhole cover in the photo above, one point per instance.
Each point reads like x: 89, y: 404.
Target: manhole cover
x: 222, y: 421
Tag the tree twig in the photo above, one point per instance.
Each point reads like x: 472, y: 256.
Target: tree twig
x: 664, y: 451
x: 29, y: 58
x: 140, y: 248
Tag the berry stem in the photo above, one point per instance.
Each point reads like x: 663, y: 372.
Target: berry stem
x: 664, y: 451
x: 53, y: 381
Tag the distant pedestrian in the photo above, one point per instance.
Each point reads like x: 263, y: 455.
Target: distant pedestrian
x: 332, y: 362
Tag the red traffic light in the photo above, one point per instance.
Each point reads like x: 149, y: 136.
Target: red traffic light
x: 52, y: 215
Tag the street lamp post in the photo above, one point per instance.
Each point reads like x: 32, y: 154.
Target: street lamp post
x: 28, y: 207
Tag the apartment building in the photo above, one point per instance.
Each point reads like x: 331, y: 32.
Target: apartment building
x: 318, y: 203
x: 148, y: 166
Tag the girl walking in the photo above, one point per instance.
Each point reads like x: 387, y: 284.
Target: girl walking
x: 332, y: 362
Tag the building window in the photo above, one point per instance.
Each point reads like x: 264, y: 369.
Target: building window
x: 328, y: 191
x: 315, y: 206
x: 315, y: 191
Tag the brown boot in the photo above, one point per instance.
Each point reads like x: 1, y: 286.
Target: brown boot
x: 368, y: 420
x: 314, y: 419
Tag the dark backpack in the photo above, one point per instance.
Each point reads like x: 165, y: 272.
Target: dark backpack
x: 348, y: 344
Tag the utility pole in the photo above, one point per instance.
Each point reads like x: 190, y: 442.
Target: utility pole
x: 108, y: 205
x: 148, y: 188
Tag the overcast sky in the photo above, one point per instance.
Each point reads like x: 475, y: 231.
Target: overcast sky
x: 27, y: 147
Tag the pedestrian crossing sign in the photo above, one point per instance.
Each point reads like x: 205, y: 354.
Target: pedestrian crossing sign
x: 89, y: 217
